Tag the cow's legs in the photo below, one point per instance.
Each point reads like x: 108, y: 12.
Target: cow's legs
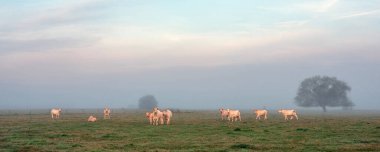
x: 296, y: 116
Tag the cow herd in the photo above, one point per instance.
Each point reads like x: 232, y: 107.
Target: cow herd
x: 234, y: 115
x: 161, y: 117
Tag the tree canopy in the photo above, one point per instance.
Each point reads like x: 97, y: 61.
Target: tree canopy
x: 323, y: 92
x: 147, y: 102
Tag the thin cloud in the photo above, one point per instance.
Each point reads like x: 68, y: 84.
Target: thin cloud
x: 292, y: 24
x: 358, y: 14
x: 326, y: 6
x: 51, y: 44
x: 51, y: 28
x: 78, y: 13
x: 316, y: 7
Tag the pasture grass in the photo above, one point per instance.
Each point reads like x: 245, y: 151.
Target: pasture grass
x: 190, y: 131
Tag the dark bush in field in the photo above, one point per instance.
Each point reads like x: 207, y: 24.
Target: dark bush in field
x: 237, y: 129
x: 302, y: 129
x: 241, y: 146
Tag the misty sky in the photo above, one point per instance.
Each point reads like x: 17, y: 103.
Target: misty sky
x: 187, y: 53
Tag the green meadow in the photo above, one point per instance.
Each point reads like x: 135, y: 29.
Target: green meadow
x: 129, y: 130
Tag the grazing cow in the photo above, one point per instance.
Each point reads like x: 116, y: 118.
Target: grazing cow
x: 107, y: 113
x: 167, y: 115
x: 223, y: 113
x: 292, y: 113
x: 233, y: 115
x: 91, y: 119
x: 260, y: 113
x: 55, y: 112
x: 149, y: 115
x: 157, y: 116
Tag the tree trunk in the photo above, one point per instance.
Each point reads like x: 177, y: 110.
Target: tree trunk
x: 324, y: 108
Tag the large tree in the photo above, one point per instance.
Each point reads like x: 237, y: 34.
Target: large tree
x: 147, y: 102
x: 323, y: 92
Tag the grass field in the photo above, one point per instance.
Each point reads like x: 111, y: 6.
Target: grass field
x: 128, y: 130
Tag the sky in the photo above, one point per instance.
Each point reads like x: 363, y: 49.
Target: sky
x: 191, y: 54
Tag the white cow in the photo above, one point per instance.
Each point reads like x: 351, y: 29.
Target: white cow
x: 223, y: 113
x: 149, y: 115
x: 157, y: 116
x: 167, y: 115
x: 91, y: 119
x: 233, y: 115
x: 107, y: 113
x: 55, y: 113
x: 260, y: 113
x: 286, y: 113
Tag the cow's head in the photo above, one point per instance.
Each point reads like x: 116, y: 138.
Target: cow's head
x: 107, y: 110
x: 147, y: 114
x: 280, y: 111
x: 165, y: 113
x: 155, y: 111
x: 221, y: 110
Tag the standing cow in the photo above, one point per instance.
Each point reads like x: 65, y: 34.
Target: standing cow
x: 260, y: 113
x: 223, y: 113
x: 107, y: 113
x: 157, y: 116
x: 288, y: 113
x: 167, y: 116
x: 149, y: 115
x: 233, y: 115
x: 55, y: 113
